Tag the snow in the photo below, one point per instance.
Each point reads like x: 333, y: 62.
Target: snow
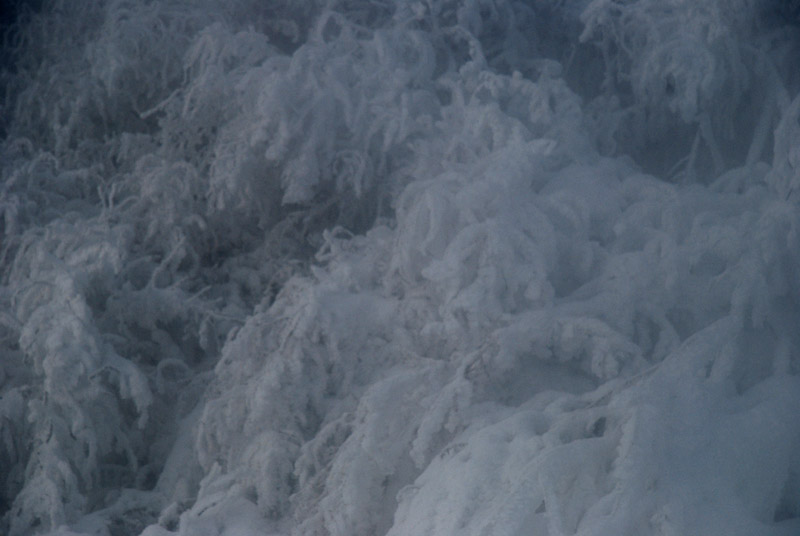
x: 337, y: 268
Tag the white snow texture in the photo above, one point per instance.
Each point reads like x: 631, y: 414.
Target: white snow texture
x: 400, y: 267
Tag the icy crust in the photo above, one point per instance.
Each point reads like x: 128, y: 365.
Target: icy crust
x: 359, y: 268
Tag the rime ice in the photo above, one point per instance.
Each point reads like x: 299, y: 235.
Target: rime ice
x: 405, y: 268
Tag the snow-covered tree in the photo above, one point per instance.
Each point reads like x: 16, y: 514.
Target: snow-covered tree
x: 412, y: 267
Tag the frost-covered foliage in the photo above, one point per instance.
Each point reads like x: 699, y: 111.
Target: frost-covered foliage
x: 354, y: 267
x: 694, y: 87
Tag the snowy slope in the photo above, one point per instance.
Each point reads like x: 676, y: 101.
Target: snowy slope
x: 355, y: 268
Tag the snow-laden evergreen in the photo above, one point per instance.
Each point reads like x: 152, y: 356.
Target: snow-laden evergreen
x: 412, y: 267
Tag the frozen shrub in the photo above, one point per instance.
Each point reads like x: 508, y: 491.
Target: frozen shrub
x: 362, y: 267
x: 689, y: 68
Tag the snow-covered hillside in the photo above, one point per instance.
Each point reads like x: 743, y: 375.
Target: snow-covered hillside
x: 405, y: 268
